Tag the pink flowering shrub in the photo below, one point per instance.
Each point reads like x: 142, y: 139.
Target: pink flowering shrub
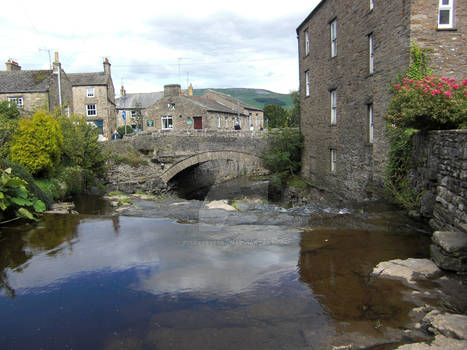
x: 429, y: 104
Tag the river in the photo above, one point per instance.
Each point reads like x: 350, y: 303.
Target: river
x: 175, y: 274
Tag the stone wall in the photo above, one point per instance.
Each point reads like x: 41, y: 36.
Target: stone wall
x: 440, y: 173
x: 31, y: 100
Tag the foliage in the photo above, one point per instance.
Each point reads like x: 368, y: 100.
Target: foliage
x: 81, y: 148
x: 37, y: 143
x: 276, y: 116
x: 121, y: 129
x: 31, y: 184
x: 399, y: 164
x: 294, y: 113
x: 428, y: 104
x: 15, y: 199
x: 9, y: 116
x: 419, y: 63
x: 283, y: 158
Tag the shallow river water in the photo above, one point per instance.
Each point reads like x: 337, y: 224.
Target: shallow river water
x: 102, y: 281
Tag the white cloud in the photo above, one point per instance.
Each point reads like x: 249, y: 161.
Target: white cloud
x: 241, y: 44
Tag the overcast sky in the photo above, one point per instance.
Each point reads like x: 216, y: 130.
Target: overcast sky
x: 213, y: 44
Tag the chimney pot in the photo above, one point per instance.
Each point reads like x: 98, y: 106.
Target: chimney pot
x: 11, y: 65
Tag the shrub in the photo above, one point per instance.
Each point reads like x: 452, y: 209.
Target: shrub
x: 9, y: 116
x: 429, y: 104
x: 37, y: 143
x: 121, y: 129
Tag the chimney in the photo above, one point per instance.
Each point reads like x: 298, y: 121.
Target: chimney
x: 172, y: 90
x: 190, y: 90
x: 56, y: 64
x: 12, y: 66
x: 122, y: 91
x: 107, y: 66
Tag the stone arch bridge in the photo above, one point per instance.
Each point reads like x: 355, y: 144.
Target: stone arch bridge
x: 149, y: 161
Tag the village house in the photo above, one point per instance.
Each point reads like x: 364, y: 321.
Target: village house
x: 349, y: 52
x: 130, y: 107
x: 255, y: 115
x: 94, y: 97
x: 31, y: 90
x: 177, y: 111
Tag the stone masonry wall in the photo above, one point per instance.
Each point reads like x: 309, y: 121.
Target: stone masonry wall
x: 359, y: 164
x: 31, y: 101
x: 440, y: 171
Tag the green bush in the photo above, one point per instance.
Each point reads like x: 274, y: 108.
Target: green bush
x: 283, y: 157
x: 121, y: 129
x: 37, y: 143
x: 9, y: 116
x: 81, y: 148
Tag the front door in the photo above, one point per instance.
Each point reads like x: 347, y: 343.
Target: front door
x: 198, y: 121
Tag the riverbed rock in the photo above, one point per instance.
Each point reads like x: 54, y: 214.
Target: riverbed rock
x: 62, y: 208
x: 449, y: 250
x: 449, y: 325
x: 222, y: 204
x: 406, y: 270
x: 439, y: 343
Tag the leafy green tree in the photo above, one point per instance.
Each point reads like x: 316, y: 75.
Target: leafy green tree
x: 9, y: 116
x: 276, y: 116
x: 121, y: 129
x: 283, y: 158
x: 80, y: 146
x: 294, y: 113
x: 37, y: 143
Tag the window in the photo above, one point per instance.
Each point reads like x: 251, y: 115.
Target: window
x: 307, y: 83
x: 167, y: 122
x: 18, y: 101
x: 334, y: 38
x: 90, y: 92
x: 171, y: 106
x: 333, y: 107
x: 372, y: 4
x: 307, y: 42
x: 333, y: 154
x: 446, y: 14
x: 91, y: 110
x: 226, y: 122
x: 218, y: 122
x: 371, y: 54
x: 370, y: 124
x: 249, y: 119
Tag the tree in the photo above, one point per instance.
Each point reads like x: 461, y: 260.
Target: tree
x: 37, y: 143
x: 276, y: 116
x: 294, y: 113
x: 9, y: 116
x: 80, y: 147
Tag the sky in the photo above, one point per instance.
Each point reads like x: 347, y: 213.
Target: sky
x: 211, y: 44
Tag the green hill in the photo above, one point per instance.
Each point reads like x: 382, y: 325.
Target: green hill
x: 255, y: 97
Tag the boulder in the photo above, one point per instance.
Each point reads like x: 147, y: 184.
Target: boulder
x: 406, y: 270
x: 449, y: 250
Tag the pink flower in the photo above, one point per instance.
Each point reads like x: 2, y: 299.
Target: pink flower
x: 397, y: 86
x: 451, y: 80
x: 448, y: 93
x: 464, y: 82
x: 444, y: 79
x: 433, y: 84
x: 428, y: 78
x: 435, y: 92
x: 455, y: 86
x: 465, y: 95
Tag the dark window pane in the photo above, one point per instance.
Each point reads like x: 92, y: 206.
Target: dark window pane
x: 444, y: 17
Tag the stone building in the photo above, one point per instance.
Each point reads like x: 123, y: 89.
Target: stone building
x: 255, y: 115
x: 131, y: 106
x: 349, y: 52
x: 186, y: 112
x: 34, y: 89
x: 94, y: 97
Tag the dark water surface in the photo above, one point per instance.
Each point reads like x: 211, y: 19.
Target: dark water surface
x: 109, y: 282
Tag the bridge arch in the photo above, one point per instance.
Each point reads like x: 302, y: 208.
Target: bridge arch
x: 240, y: 157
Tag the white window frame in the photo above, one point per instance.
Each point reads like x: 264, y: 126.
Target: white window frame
x: 333, y: 106
x: 226, y: 122
x: 166, y: 122
x: 333, y: 25
x: 450, y: 6
x: 333, y: 159
x: 371, y: 53
x: 91, y: 110
x: 372, y: 4
x: 171, y: 106
x: 90, y: 92
x: 307, y: 83
x: 307, y: 42
x: 371, y: 125
x: 17, y: 100
x: 218, y: 122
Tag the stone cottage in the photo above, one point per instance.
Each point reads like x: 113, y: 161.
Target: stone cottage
x: 34, y: 89
x: 94, y: 97
x: 130, y: 107
x: 255, y: 115
x: 176, y: 111
x: 349, y: 52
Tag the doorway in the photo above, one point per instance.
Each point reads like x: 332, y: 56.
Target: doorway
x: 198, y: 123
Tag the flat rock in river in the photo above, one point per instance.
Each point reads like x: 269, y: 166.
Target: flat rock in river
x: 407, y: 270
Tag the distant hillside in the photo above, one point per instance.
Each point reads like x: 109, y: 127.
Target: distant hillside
x: 255, y: 97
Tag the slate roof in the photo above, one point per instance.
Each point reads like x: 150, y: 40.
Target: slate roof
x: 235, y: 100
x: 85, y: 79
x: 143, y: 99
x: 210, y: 105
x: 26, y: 81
